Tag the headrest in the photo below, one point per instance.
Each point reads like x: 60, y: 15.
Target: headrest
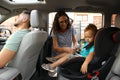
x: 104, y: 43
x: 34, y: 19
x: 116, y: 36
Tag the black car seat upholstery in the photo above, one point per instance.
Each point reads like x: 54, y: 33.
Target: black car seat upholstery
x: 98, y: 68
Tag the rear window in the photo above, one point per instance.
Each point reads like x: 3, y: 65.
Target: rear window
x: 80, y: 21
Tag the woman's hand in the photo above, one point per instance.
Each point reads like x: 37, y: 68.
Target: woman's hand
x: 69, y: 50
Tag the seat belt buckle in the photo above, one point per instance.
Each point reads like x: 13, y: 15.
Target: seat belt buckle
x: 93, y: 76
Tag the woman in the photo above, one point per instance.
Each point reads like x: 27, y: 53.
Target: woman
x: 63, y: 34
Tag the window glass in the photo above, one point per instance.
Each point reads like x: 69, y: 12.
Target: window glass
x: 80, y: 21
x: 2, y: 18
x: 113, y: 20
x: 9, y: 24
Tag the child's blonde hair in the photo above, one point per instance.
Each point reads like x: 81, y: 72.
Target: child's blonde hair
x: 91, y: 27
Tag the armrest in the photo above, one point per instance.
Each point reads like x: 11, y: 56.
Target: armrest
x: 8, y: 73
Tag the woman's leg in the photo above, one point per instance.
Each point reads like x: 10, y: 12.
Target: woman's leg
x: 59, y: 56
x: 52, y: 67
x: 55, y: 58
x: 63, y: 58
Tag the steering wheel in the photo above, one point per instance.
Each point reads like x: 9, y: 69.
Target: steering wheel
x: 4, y: 34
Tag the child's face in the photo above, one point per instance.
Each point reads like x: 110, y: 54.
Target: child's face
x: 88, y: 35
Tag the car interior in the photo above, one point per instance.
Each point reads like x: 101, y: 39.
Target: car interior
x: 23, y: 65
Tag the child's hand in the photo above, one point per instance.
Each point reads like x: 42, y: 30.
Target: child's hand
x: 84, y: 68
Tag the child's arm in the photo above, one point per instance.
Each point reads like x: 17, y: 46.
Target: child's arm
x: 86, y: 62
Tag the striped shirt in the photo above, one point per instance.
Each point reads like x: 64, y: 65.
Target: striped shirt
x: 64, y: 39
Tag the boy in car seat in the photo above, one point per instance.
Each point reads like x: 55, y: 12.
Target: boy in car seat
x: 87, y: 52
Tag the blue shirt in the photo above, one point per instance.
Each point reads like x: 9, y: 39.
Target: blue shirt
x: 84, y: 52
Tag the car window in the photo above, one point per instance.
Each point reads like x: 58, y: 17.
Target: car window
x: 80, y: 21
x: 9, y: 24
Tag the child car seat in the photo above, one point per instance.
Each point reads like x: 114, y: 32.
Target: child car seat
x: 98, y: 68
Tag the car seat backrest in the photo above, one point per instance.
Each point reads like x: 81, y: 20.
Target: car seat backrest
x: 104, y: 44
x: 26, y: 57
x: 116, y: 37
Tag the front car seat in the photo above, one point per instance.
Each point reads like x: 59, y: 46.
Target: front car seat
x: 25, y: 59
x: 105, y: 49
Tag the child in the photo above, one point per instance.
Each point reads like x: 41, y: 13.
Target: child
x: 87, y: 51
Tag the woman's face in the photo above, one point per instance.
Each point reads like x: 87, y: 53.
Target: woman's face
x: 63, y: 22
x: 88, y: 35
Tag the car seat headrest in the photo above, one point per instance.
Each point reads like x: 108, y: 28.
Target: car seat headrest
x: 116, y: 37
x: 104, y: 43
x: 34, y: 19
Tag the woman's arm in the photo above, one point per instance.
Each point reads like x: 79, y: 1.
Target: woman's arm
x: 74, y: 42
x: 61, y: 49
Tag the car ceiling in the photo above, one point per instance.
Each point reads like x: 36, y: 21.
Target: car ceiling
x: 68, y: 5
